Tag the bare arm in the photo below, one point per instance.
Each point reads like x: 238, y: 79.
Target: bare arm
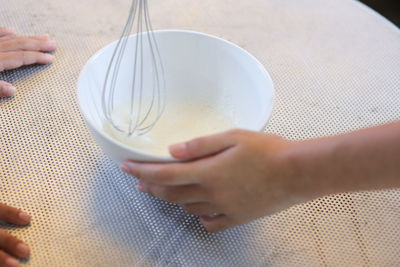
x: 367, y: 159
x: 243, y: 175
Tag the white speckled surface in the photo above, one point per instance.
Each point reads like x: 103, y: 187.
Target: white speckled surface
x: 335, y: 65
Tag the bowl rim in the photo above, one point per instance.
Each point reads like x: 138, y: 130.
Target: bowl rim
x: 170, y: 158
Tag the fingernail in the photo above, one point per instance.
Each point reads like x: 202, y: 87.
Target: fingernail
x: 24, y: 217
x: 129, y: 167
x: 23, y: 250
x: 52, y: 43
x: 48, y: 57
x: 11, y: 262
x: 141, y: 188
x: 9, y: 90
x: 178, y: 149
x: 124, y: 167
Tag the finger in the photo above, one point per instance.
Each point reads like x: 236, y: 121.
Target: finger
x: 27, y: 44
x: 13, y: 215
x: 41, y: 37
x: 13, y: 60
x: 203, y: 146
x: 6, y: 32
x: 6, y: 89
x: 44, y: 37
x: 13, y: 245
x: 162, y: 173
x: 216, y: 223
x: 200, y: 209
x: 175, y: 194
x: 7, y: 261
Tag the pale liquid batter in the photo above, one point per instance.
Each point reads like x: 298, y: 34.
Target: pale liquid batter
x: 178, y: 123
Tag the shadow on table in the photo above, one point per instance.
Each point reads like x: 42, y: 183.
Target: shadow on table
x: 159, y: 233
x: 22, y: 73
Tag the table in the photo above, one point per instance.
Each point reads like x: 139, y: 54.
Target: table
x: 335, y: 65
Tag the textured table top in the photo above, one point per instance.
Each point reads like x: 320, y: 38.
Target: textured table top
x: 335, y: 65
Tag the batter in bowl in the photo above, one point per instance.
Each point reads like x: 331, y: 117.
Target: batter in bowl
x: 178, y: 123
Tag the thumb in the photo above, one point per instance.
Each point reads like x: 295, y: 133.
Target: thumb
x: 6, y: 89
x: 203, y: 146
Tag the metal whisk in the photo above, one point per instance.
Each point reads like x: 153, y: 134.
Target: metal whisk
x: 143, y: 115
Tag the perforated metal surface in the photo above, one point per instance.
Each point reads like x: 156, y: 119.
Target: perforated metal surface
x: 336, y: 67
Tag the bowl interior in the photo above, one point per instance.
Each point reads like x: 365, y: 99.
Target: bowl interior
x: 197, y: 67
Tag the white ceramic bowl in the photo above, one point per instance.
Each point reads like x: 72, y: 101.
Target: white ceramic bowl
x: 197, y: 66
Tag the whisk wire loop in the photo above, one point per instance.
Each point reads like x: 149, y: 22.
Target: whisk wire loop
x: 144, y: 112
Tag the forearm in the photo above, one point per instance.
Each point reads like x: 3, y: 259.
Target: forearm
x: 367, y: 159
